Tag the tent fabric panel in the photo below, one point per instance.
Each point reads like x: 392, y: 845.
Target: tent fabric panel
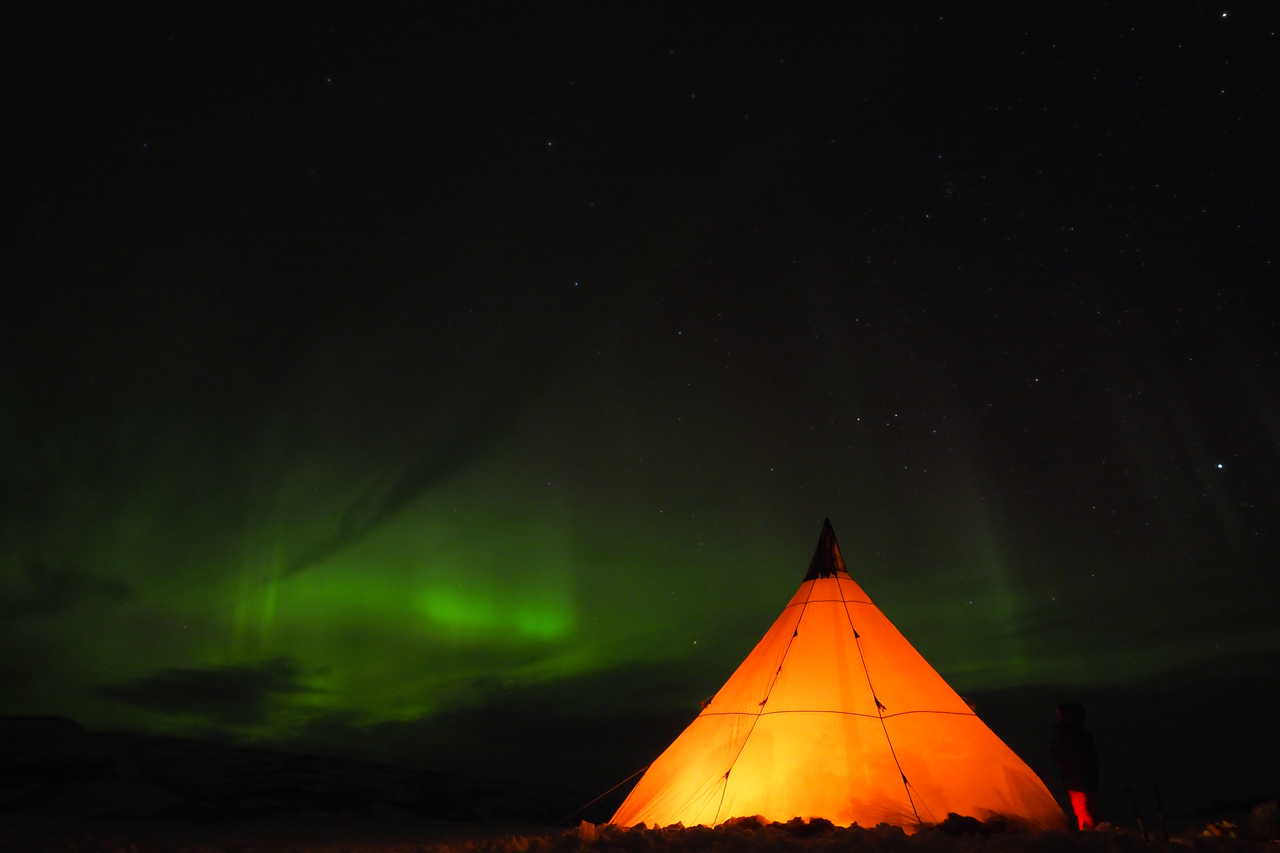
x: 750, y: 682
x: 823, y: 671
x: 826, y: 765
x: 829, y: 589
x: 847, y: 589
x: 902, y: 678
x: 955, y: 763
x: 685, y: 783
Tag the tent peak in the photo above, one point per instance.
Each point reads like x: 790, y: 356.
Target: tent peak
x: 827, y: 559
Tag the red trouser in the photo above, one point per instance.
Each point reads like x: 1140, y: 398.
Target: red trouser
x: 1082, y: 805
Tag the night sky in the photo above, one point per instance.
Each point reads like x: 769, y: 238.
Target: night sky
x: 468, y: 387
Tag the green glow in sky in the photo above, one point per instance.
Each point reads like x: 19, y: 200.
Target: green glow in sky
x: 345, y: 543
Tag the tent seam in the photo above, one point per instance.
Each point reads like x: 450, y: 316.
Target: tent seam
x: 826, y: 601
x: 831, y: 711
x: 880, y: 709
x: 795, y: 632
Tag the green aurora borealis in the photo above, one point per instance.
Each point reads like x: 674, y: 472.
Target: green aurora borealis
x: 359, y: 521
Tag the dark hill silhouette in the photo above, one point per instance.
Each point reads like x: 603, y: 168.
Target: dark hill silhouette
x: 52, y: 767
x: 1201, y: 736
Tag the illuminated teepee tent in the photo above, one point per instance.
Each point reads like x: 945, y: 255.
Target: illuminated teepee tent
x: 835, y: 715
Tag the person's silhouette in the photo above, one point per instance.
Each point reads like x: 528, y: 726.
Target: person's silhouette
x: 1077, y: 757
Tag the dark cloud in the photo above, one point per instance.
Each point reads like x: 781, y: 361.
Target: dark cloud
x: 584, y: 732
x: 46, y: 590
x: 226, y: 695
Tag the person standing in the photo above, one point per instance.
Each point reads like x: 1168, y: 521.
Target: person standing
x: 1077, y: 757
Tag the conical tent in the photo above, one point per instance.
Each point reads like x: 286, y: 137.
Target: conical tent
x: 835, y: 715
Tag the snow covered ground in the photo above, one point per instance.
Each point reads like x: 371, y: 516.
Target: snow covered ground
x: 403, y: 833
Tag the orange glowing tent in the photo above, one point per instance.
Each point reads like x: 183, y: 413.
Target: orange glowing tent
x: 835, y: 715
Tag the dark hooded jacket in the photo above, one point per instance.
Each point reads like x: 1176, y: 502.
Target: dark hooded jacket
x: 1074, y: 751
